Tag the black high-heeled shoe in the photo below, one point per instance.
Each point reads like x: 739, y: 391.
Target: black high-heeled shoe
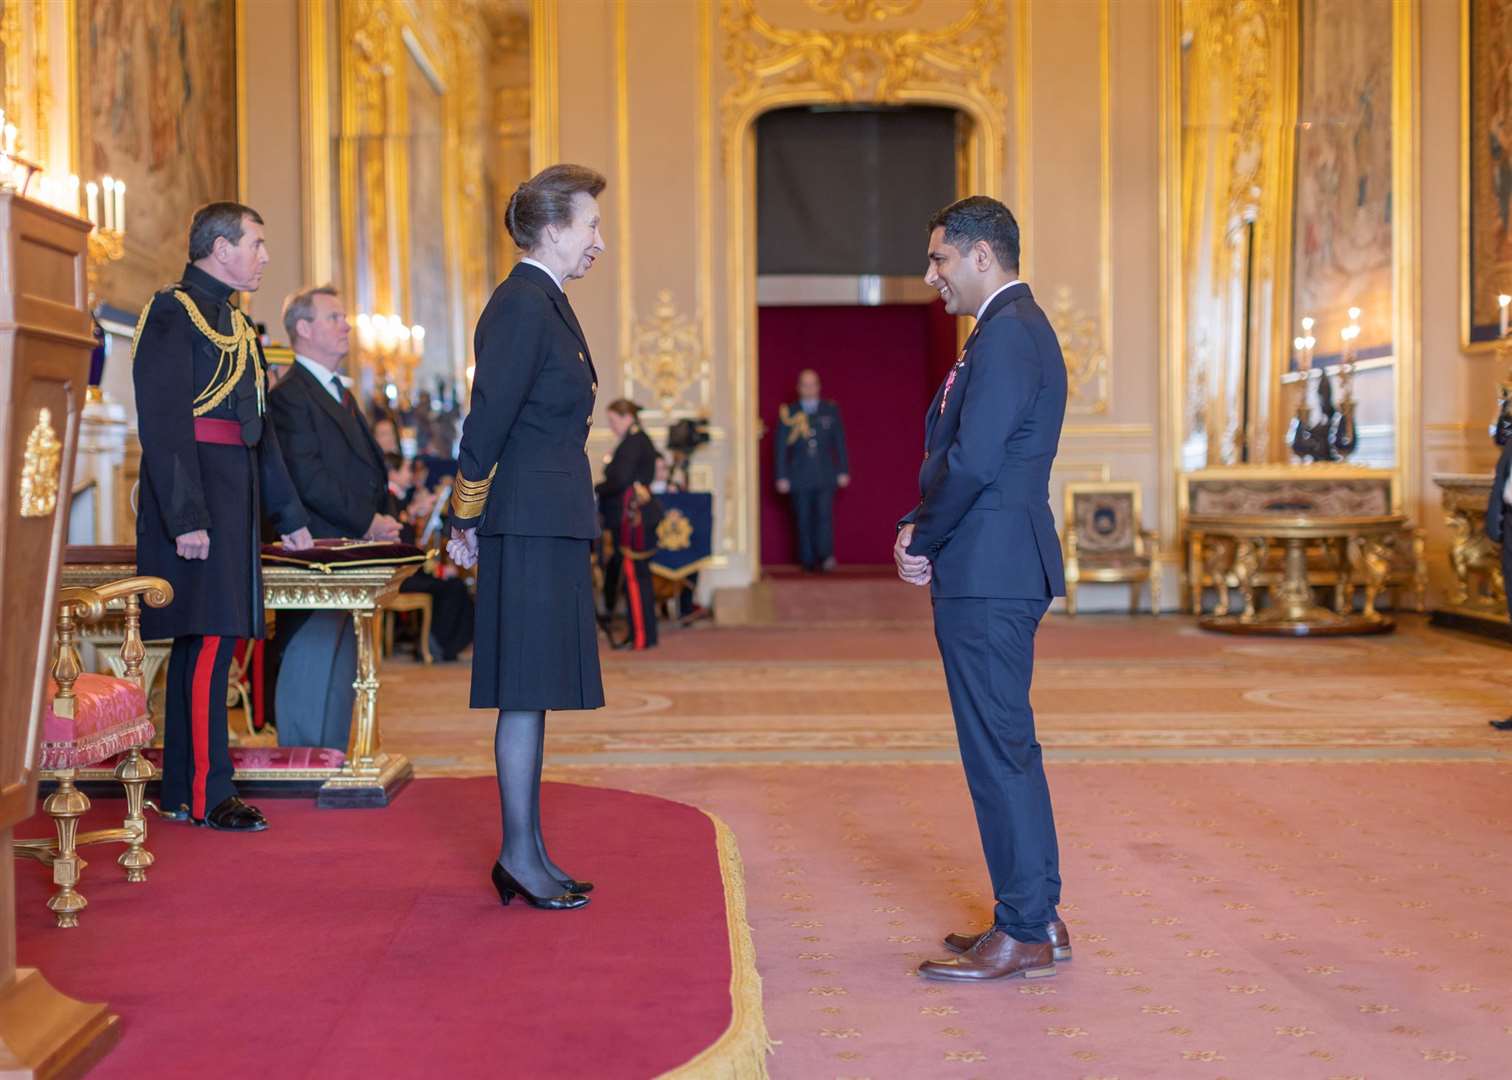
x: 509, y: 888
x: 572, y: 885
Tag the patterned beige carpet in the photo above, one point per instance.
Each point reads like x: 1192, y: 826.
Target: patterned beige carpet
x: 1281, y: 857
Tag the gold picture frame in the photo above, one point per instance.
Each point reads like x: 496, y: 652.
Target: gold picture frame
x: 1482, y: 279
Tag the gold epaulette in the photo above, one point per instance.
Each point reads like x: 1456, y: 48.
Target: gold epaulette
x: 235, y: 348
x: 797, y: 423
x: 470, y: 496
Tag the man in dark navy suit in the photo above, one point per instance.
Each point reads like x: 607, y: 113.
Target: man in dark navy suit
x: 342, y: 480
x: 1497, y: 516
x: 811, y: 464
x: 983, y: 539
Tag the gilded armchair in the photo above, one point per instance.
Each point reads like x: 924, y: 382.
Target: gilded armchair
x: 92, y: 719
x: 1104, y: 542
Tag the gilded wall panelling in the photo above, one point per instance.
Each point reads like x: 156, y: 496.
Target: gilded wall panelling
x: 545, y: 94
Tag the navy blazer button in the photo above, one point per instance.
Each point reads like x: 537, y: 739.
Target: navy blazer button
x: 580, y: 358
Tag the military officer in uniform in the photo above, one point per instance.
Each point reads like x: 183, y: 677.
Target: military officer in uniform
x: 210, y: 465
x: 811, y: 464
x: 632, y: 466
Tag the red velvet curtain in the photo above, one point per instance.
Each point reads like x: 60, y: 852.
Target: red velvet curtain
x: 882, y: 366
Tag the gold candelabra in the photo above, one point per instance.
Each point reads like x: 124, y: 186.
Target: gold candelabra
x: 392, y: 350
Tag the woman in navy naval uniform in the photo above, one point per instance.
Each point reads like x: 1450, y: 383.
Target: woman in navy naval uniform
x: 522, y: 509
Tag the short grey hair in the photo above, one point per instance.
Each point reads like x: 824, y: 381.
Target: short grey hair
x: 301, y: 305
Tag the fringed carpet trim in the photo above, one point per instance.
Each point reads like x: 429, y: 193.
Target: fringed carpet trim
x: 741, y: 1052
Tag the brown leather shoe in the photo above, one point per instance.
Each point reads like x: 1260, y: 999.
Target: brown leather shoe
x: 1060, y: 941
x: 994, y: 956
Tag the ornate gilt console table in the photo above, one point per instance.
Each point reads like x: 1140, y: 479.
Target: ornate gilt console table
x: 1358, y: 545
x: 1477, y: 594
x: 370, y: 776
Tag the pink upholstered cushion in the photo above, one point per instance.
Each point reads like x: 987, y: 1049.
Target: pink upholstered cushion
x: 283, y: 758
x: 110, y: 716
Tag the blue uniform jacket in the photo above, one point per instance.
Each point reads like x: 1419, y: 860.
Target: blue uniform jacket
x: 522, y: 461
x: 810, y: 450
x: 990, y: 437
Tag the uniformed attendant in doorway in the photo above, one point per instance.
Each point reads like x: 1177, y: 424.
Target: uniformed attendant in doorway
x: 811, y: 464
x: 633, y: 463
x: 1498, y: 514
x: 210, y: 466
x: 522, y: 510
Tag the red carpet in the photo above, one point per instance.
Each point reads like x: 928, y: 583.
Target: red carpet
x: 370, y: 943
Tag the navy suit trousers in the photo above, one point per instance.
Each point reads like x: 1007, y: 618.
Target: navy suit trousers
x: 814, y: 511
x: 987, y: 645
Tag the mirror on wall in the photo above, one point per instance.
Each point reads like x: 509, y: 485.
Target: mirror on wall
x: 1285, y: 245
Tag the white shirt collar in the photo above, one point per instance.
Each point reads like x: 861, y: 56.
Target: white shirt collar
x: 983, y: 309
x: 322, y: 374
x: 543, y: 267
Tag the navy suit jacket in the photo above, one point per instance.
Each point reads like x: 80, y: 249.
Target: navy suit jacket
x: 532, y: 405
x: 983, y: 517
x: 816, y: 460
x: 1496, y: 509
x: 335, y: 464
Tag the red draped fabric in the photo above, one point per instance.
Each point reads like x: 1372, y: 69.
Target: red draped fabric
x: 882, y: 366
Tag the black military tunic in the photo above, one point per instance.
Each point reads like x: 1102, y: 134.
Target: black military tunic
x: 523, y: 482
x: 208, y: 462
x: 187, y: 484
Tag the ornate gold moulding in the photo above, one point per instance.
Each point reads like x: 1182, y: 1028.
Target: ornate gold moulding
x: 370, y: 776
x: 1361, y: 543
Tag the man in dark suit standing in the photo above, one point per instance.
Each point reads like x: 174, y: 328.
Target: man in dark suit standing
x: 1496, y: 524
x: 811, y: 464
x: 983, y: 539
x: 210, y: 465
x: 342, y: 480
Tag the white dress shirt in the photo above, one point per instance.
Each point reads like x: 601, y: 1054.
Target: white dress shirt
x: 543, y: 267
x: 982, y: 310
x: 322, y: 375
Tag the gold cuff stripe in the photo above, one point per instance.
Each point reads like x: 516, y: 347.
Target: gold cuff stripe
x: 470, y: 496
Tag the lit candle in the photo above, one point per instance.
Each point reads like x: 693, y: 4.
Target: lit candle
x: 108, y: 196
x: 417, y: 336
x: 10, y: 138
x: 1502, y: 301
x: 92, y: 197
x: 120, y: 205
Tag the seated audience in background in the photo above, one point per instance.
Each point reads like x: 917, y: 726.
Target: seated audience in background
x: 451, y: 601
x: 338, y: 470
x: 386, y: 433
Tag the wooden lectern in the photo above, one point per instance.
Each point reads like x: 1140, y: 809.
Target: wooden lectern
x: 45, y: 342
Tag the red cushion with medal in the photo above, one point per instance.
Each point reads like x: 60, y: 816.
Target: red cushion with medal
x: 334, y: 555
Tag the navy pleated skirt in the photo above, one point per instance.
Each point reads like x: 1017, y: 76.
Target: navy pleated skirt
x: 536, y: 645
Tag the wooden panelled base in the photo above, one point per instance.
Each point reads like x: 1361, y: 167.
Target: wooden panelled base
x: 46, y: 1034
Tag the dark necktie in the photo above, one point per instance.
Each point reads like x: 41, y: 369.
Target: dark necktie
x: 342, y: 396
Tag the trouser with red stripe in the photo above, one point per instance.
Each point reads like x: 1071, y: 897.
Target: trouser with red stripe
x: 640, y: 599
x: 196, y: 752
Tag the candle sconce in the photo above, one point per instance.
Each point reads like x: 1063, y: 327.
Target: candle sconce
x: 392, y: 350
x: 1334, y: 437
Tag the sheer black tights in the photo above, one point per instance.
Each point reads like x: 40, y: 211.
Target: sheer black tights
x: 519, y: 751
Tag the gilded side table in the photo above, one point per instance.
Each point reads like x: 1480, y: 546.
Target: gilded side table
x: 1359, y: 543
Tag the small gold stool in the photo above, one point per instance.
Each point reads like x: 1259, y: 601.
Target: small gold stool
x: 414, y: 601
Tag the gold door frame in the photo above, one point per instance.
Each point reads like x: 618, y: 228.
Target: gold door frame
x: 768, y: 84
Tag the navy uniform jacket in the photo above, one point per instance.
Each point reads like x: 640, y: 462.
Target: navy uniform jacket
x: 523, y: 464
x: 984, y: 517
x: 336, y: 466
x: 810, y: 449
x: 188, y: 485
x: 634, y: 462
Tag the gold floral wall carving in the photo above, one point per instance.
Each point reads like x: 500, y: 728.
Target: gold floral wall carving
x: 1081, y: 342
x: 667, y: 359
x: 886, y: 66
x: 865, y: 10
